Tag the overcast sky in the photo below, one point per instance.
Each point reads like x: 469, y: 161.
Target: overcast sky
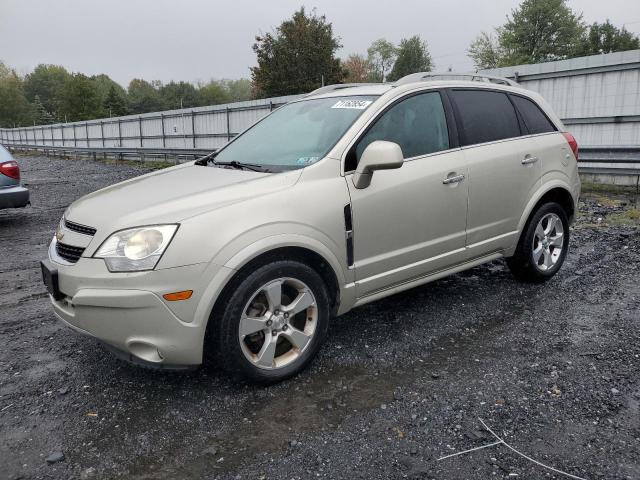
x: 201, y: 39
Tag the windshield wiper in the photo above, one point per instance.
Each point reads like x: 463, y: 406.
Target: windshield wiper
x: 210, y: 159
x: 241, y: 165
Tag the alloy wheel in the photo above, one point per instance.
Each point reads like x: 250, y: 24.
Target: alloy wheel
x: 548, y: 242
x: 278, y: 323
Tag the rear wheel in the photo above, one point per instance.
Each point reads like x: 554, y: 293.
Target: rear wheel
x: 543, y: 245
x: 273, y: 323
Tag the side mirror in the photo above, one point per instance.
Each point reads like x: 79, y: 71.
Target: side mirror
x: 378, y: 155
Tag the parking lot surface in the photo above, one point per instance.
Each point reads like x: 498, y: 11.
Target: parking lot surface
x: 553, y: 369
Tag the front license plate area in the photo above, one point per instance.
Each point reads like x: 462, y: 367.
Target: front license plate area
x: 50, y: 279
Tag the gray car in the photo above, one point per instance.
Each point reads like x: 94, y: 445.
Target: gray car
x: 12, y: 194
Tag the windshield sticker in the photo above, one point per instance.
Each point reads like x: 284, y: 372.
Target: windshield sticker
x: 354, y: 104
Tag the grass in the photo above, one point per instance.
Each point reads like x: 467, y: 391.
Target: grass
x: 150, y: 164
x: 590, y: 187
x: 631, y: 216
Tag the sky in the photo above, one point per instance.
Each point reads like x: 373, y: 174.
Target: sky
x: 196, y: 40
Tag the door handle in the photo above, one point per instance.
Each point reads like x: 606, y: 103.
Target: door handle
x: 453, y: 179
x: 529, y: 160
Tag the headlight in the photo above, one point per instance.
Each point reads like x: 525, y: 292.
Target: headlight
x: 136, y: 249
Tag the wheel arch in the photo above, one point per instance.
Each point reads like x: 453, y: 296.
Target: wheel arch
x: 557, y: 192
x: 263, y: 252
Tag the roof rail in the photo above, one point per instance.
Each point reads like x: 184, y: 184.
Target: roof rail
x: 477, y: 77
x: 337, y: 86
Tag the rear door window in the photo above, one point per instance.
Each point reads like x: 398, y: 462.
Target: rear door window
x: 484, y: 116
x: 534, y: 118
x: 418, y: 124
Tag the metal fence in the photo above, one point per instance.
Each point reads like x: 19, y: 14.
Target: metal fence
x: 200, y: 128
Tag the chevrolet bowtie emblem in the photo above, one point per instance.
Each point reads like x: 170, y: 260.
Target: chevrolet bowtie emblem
x: 59, y: 235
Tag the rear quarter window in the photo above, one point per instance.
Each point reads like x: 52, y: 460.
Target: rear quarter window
x: 534, y: 118
x: 484, y: 116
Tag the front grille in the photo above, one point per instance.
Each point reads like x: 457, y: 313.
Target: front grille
x: 69, y: 252
x: 76, y: 227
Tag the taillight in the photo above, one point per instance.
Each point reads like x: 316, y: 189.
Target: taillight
x: 572, y: 143
x: 10, y: 169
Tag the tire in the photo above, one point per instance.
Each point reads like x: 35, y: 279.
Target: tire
x: 538, y: 257
x: 251, y: 304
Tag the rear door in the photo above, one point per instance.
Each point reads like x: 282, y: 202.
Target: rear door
x: 550, y: 145
x: 407, y: 222
x: 504, y: 169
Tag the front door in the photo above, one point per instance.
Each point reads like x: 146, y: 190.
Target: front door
x: 410, y: 221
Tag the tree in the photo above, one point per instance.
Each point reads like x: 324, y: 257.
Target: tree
x: 486, y: 51
x: 381, y: 56
x: 297, y: 57
x: 143, y: 96
x: 114, y: 103
x: 239, y: 90
x: 14, y: 107
x: 80, y: 99
x: 607, y: 38
x: 176, y: 95
x: 413, y: 56
x: 47, y: 82
x: 357, y: 68
x: 40, y: 114
x: 541, y: 31
x: 214, y: 92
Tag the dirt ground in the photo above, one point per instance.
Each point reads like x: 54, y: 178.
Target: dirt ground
x: 553, y: 369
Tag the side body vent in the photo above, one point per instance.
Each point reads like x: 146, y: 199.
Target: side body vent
x: 348, y: 228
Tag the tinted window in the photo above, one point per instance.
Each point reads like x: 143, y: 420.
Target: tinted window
x: 417, y: 124
x: 535, y: 120
x: 485, y: 116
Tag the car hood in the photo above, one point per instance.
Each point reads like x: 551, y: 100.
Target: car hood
x: 172, y: 195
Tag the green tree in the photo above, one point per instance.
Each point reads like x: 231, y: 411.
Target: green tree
x: 214, y: 92
x: 357, y: 68
x: 143, y: 96
x: 607, y: 38
x: 486, y: 51
x: 14, y: 106
x: 80, y: 99
x: 104, y: 84
x: 297, y: 57
x: 381, y: 56
x: 541, y: 31
x: 413, y: 57
x: 48, y: 83
x: 40, y: 114
x: 239, y: 90
x: 114, y: 103
x: 176, y: 95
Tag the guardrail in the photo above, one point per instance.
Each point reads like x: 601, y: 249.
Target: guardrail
x: 612, y: 160
x: 120, y: 153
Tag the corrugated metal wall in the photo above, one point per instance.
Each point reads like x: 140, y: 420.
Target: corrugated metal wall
x: 598, y: 98
x: 201, y: 127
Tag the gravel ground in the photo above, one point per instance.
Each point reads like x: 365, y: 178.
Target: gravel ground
x: 553, y: 369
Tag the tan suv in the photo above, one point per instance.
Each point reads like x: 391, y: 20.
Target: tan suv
x: 244, y: 255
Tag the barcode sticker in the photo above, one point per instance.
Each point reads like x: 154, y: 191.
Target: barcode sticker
x: 355, y: 104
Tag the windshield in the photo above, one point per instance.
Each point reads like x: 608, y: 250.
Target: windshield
x: 297, y: 134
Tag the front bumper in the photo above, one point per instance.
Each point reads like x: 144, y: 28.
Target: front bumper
x: 14, y: 197
x: 126, y: 311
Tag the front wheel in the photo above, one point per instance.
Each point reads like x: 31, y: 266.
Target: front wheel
x: 543, y: 245
x: 273, y: 323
